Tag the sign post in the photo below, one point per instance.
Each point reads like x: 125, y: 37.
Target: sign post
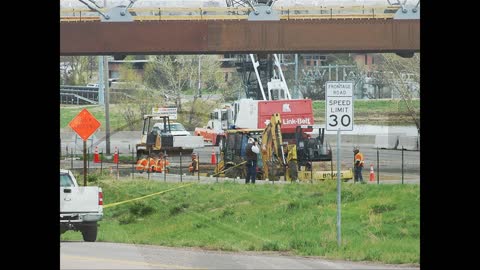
x: 339, y: 116
x: 84, y: 124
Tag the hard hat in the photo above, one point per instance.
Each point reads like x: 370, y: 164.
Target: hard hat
x: 250, y: 140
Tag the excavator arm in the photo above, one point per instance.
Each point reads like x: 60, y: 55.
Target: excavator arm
x: 272, y: 148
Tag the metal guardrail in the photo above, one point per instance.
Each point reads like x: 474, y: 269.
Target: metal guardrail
x: 75, y: 97
x: 76, y: 87
x: 239, y: 13
x: 72, y: 94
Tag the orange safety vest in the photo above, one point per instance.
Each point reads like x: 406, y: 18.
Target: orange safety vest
x: 152, y: 164
x: 163, y: 165
x: 141, y: 164
x: 158, y: 166
x: 359, y: 157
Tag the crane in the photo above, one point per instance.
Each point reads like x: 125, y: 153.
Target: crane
x: 261, y: 73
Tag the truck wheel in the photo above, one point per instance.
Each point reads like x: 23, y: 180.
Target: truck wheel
x: 89, y: 233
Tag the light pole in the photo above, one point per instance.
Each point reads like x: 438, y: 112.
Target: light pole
x: 101, y: 94
x: 107, y: 105
x: 296, y: 76
x: 107, y: 98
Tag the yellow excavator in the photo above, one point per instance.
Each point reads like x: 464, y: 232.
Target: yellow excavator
x: 305, y: 160
x: 279, y: 158
x: 272, y: 163
x: 272, y: 149
x: 232, y: 153
x: 315, y: 156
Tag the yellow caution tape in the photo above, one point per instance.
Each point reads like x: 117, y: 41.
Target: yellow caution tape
x: 146, y: 196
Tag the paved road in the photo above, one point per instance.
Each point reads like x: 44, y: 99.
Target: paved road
x: 99, y: 255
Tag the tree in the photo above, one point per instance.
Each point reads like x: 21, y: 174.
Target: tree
x: 200, y: 117
x: 133, y: 108
x: 233, y: 88
x: 210, y: 80
x: 129, y: 75
x: 171, y: 74
x: 78, y: 70
x: 403, y: 76
x: 175, y: 75
x: 130, y: 113
x: 312, y: 79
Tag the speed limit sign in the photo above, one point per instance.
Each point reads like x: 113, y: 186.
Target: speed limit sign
x: 339, y: 105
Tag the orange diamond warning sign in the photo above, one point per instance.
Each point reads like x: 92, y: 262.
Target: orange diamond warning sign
x: 84, y: 124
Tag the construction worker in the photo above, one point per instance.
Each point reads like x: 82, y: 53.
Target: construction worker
x: 152, y: 162
x: 251, y: 152
x: 358, y: 165
x: 194, y: 165
x: 142, y: 164
x: 159, y: 164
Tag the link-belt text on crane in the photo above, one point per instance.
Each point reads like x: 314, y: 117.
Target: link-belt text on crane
x: 296, y: 121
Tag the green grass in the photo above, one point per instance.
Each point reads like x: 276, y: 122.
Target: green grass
x: 375, y: 111
x: 67, y: 113
x: 379, y: 222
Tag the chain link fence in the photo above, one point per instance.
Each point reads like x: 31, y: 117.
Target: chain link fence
x: 381, y: 166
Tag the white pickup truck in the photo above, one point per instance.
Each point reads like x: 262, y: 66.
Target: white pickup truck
x: 80, y: 207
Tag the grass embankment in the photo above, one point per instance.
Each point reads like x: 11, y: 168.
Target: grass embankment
x: 382, y: 112
x: 68, y: 112
x: 379, y: 222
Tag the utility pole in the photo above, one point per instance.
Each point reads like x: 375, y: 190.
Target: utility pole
x: 107, y: 98
x: 107, y: 105
x: 296, y: 76
x: 101, y: 94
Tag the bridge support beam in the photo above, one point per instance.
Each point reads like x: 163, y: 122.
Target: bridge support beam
x: 233, y: 36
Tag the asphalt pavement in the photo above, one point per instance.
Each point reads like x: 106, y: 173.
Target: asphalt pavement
x: 100, y: 255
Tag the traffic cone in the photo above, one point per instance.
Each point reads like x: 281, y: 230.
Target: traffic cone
x: 372, y: 173
x: 115, y: 156
x: 96, y: 159
x: 214, y: 157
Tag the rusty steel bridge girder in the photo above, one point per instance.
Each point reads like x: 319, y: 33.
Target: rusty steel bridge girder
x: 234, y: 36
